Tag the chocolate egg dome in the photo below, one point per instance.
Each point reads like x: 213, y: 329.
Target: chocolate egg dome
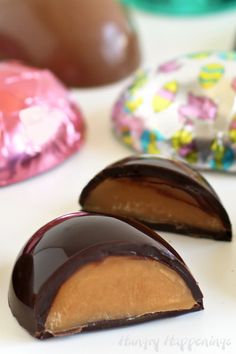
x: 83, y: 44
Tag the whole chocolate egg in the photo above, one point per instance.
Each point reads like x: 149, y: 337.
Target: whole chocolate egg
x: 184, y: 108
x: 84, y: 42
x: 40, y: 125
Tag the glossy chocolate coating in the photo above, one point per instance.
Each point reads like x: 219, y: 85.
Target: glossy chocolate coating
x: 83, y: 43
x: 65, y: 244
x: 175, y: 174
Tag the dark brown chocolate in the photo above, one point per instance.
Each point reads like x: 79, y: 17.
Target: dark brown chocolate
x: 164, y: 194
x: 83, y: 43
x: 66, y: 246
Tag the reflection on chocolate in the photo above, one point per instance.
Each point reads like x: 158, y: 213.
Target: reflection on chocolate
x: 85, y: 271
x: 165, y: 194
x: 83, y: 44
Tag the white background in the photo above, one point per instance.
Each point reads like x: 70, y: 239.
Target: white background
x: 26, y: 206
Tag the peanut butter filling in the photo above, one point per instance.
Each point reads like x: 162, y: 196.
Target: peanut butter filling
x: 150, y: 200
x: 117, y: 288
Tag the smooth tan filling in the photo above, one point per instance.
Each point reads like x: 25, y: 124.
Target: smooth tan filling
x: 151, y: 201
x: 117, y: 288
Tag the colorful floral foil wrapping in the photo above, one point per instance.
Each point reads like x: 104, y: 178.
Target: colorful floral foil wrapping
x: 40, y: 126
x: 186, y: 108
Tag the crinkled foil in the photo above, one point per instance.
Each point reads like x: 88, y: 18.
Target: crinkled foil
x: 40, y: 126
x: 185, y: 108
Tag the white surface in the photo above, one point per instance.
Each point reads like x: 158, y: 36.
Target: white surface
x: 26, y: 206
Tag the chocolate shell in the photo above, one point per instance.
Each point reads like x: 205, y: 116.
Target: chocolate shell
x: 40, y: 125
x: 87, y: 271
x: 164, y: 194
x: 83, y: 43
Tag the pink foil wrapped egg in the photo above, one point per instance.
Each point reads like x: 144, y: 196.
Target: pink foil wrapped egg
x: 40, y: 126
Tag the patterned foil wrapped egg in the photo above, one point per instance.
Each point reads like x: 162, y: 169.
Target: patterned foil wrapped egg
x: 186, y: 109
x: 40, y: 125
